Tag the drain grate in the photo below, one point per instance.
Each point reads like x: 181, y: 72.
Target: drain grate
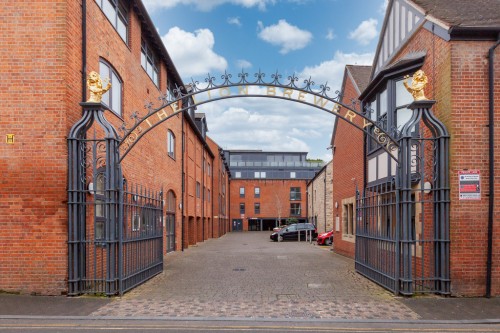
x: 239, y: 269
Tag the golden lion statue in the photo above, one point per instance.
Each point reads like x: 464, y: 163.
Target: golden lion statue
x: 94, y: 83
x: 419, y: 81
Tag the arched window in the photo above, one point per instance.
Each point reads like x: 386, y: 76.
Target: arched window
x: 171, y: 144
x: 114, y: 97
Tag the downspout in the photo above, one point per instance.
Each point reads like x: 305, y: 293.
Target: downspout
x: 183, y: 218
x: 324, y: 200
x: 491, y: 134
x: 203, y: 193
x: 212, y: 196
x: 84, y: 50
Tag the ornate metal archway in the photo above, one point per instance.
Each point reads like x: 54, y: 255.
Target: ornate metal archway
x: 106, y: 148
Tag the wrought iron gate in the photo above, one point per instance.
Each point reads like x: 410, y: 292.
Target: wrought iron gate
x: 402, y: 226
x: 114, y: 232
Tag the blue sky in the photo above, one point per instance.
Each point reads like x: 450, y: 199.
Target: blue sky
x: 311, y: 38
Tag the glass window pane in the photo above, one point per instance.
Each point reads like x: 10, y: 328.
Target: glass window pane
x: 110, y: 11
x: 122, y: 29
x: 373, y: 115
x: 116, y: 91
x: 403, y: 116
x: 143, y: 59
x: 403, y: 97
x: 383, y: 102
x: 149, y: 69
x: 104, y: 72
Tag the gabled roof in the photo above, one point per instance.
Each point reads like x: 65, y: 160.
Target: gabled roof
x: 464, y: 13
x: 360, y: 77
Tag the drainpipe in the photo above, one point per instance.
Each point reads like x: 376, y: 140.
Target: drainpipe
x: 491, y: 134
x: 324, y: 200
x: 84, y: 50
x: 183, y: 218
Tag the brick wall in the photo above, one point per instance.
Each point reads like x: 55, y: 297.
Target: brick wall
x: 274, y: 199
x: 347, y: 165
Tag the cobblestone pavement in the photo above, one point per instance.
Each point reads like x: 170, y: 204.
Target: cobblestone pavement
x: 245, y: 275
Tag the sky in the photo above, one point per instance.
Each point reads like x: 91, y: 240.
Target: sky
x: 309, y: 38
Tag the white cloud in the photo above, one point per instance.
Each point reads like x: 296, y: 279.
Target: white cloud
x: 192, y: 53
x: 242, y: 64
x: 285, y: 35
x: 330, y: 35
x: 365, y: 32
x: 234, y: 21
x: 383, y: 6
x: 332, y: 70
x: 206, y: 5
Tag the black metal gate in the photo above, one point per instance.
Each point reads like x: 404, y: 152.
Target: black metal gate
x: 114, y: 232
x: 402, y: 226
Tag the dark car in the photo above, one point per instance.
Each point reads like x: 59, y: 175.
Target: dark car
x: 292, y: 232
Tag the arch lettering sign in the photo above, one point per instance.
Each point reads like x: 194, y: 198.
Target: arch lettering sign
x: 196, y: 93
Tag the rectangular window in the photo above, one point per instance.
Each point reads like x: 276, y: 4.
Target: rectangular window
x: 242, y: 208
x: 257, y: 208
x: 295, y: 209
x: 171, y: 144
x: 198, y: 189
x: 149, y: 62
x: 242, y: 192
x: 348, y: 216
x: 117, y: 13
x: 295, y: 193
x: 260, y: 174
x: 256, y: 192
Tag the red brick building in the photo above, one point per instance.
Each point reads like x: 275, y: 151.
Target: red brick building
x: 220, y: 193
x: 47, y: 81
x: 268, y: 188
x: 348, y: 155
x: 455, y: 44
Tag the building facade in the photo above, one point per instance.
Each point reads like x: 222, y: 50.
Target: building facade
x: 347, y: 164
x: 268, y: 188
x: 121, y: 43
x: 319, y: 199
x: 456, y: 46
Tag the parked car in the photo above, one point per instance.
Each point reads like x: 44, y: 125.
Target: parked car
x: 325, y: 238
x: 292, y: 231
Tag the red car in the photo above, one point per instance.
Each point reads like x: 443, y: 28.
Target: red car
x: 325, y: 238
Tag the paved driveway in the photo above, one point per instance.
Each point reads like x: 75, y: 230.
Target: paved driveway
x: 245, y: 275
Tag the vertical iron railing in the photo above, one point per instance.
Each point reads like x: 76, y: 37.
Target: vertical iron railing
x: 97, y: 245
x: 402, y: 233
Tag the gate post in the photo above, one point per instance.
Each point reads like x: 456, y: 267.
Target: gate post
x: 93, y: 169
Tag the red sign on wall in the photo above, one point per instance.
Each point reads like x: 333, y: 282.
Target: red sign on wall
x: 469, y: 185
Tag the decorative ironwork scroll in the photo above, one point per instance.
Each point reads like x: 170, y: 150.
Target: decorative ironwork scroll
x: 306, y: 92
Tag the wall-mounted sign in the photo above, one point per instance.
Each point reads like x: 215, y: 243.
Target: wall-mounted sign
x: 469, y: 185
x: 10, y: 139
